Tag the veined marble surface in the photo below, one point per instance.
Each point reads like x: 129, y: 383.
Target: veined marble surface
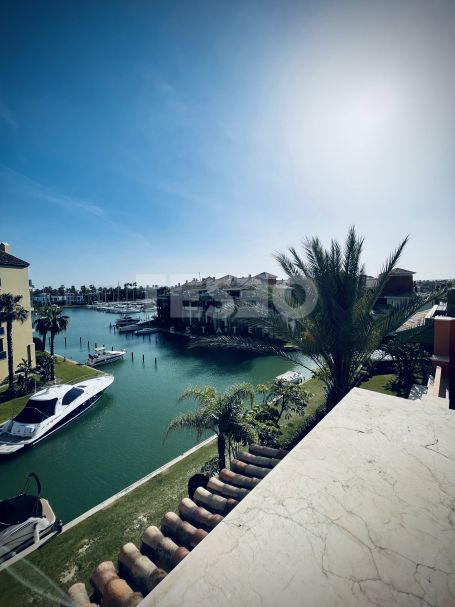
x: 361, y: 512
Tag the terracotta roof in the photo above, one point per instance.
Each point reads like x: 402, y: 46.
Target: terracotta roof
x: 401, y: 271
x: 9, y: 261
x: 139, y: 571
x: 265, y: 275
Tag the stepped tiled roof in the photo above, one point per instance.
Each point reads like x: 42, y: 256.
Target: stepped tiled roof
x: 400, y: 272
x: 139, y: 571
x: 10, y: 261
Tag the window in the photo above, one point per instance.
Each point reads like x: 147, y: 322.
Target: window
x: 35, y: 411
x: 71, y: 395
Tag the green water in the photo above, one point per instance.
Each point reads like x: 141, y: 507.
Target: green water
x: 120, y: 439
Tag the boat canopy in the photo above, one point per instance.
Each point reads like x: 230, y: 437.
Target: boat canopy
x: 35, y: 411
x: 19, y: 509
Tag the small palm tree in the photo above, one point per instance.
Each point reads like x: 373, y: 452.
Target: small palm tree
x: 224, y: 414
x: 41, y: 324
x: 287, y: 398
x: 52, y: 321
x: 24, y: 371
x: 44, y: 366
x: 11, y: 311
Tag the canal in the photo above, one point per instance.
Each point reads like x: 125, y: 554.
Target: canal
x: 121, y: 438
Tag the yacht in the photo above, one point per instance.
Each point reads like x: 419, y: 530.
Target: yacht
x: 27, y: 521
x: 48, y: 410
x: 291, y: 377
x: 126, y: 320
x: 127, y: 328
x: 146, y: 331
x: 103, y: 356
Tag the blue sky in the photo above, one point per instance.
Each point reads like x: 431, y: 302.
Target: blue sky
x: 156, y: 140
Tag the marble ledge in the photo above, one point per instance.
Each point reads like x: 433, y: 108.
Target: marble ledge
x: 361, y: 512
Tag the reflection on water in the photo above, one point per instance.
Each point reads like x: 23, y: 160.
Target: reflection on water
x: 120, y: 439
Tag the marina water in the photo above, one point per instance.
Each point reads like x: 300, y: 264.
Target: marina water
x: 121, y: 438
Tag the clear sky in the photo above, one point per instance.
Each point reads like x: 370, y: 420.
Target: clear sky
x: 145, y: 139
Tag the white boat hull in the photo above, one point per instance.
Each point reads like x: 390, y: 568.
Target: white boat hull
x: 12, y: 441
x: 99, y: 363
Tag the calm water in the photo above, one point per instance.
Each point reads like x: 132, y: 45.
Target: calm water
x: 120, y: 439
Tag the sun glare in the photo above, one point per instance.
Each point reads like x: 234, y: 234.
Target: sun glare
x: 373, y: 109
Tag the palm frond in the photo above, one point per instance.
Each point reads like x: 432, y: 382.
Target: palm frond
x: 194, y: 421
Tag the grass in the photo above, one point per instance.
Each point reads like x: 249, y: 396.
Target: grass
x: 72, y: 556
x: 292, y: 427
x: 381, y: 383
x: 65, y: 371
x: 387, y: 384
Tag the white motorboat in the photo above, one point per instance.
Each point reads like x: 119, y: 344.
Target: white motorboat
x: 48, y: 410
x: 103, y: 357
x: 146, y: 331
x: 26, y: 522
x: 291, y: 377
x: 127, y: 328
x: 126, y: 320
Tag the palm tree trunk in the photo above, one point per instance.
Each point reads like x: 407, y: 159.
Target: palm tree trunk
x: 52, y: 355
x: 44, y: 341
x: 9, y: 345
x: 221, y: 444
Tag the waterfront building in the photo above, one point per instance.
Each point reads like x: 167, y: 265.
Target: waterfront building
x: 14, y: 280
x: 216, y: 305
x: 399, y: 289
x: 67, y: 299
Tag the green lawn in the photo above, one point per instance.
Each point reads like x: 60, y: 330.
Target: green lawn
x: 387, y: 384
x: 66, y: 372
x: 290, y: 428
x: 381, y: 383
x: 73, y: 555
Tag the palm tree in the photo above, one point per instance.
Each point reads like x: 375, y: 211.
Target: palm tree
x: 24, y: 371
x: 287, y: 398
x: 330, y: 319
x: 52, y: 321
x: 11, y: 311
x: 41, y: 324
x: 224, y: 414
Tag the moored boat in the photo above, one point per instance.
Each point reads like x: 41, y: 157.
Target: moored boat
x: 49, y: 410
x: 127, y: 328
x: 146, y: 331
x: 26, y: 521
x: 291, y: 377
x: 102, y: 356
x: 126, y: 320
